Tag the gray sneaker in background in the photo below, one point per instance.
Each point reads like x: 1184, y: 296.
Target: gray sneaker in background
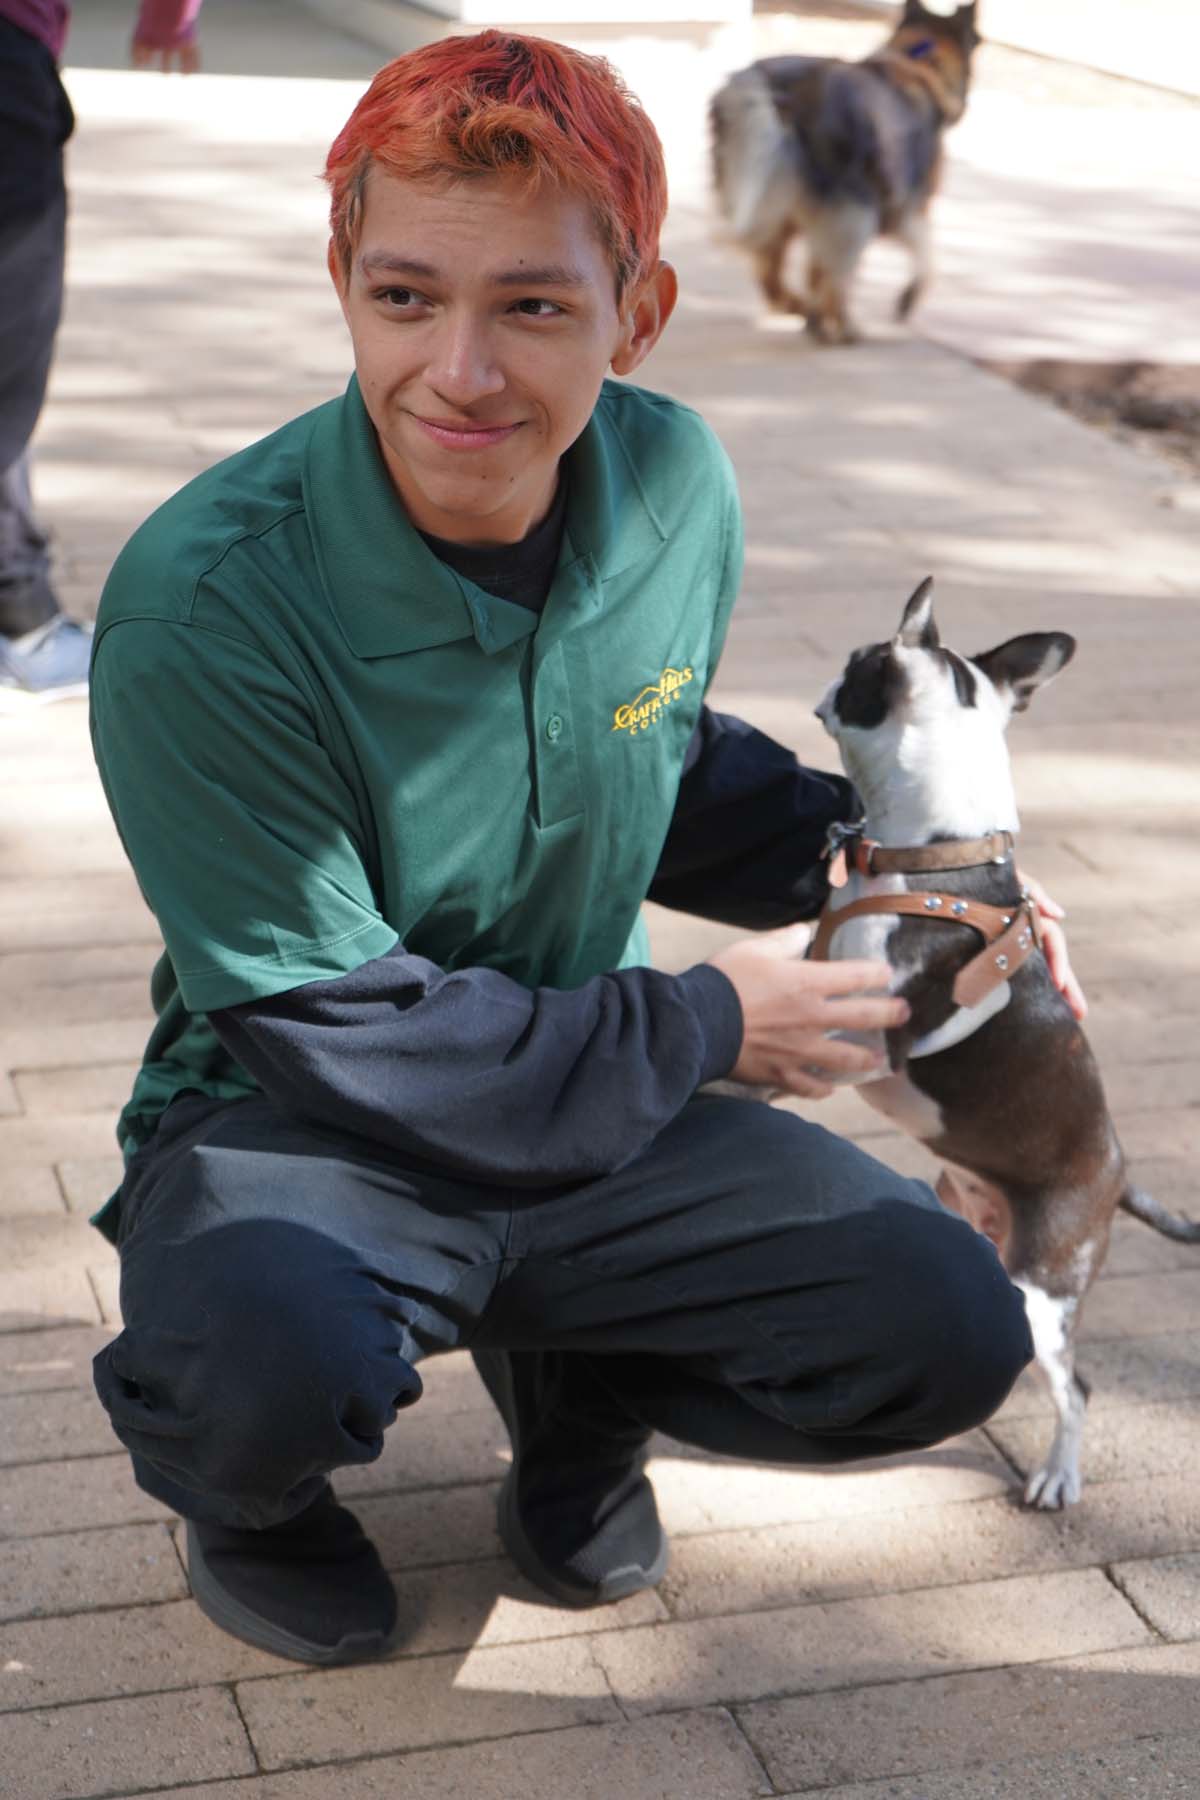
x: 48, y: 663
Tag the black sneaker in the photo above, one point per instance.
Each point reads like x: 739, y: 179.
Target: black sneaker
x: 576, y: 1511
x: 312, y: 1589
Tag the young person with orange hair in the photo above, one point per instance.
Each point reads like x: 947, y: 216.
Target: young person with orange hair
x: 401, y: 717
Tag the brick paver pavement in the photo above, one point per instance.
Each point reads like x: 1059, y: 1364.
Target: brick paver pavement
x: 900, y: 1630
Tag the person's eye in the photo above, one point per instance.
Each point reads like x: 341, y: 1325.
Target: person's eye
x: 400, y: 299
x: 538, y: 309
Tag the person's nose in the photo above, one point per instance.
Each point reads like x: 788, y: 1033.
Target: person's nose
x: 463, y: 368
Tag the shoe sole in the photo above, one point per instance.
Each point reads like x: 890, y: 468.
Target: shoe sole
x: 240, y: 1622
x: 15, y: 699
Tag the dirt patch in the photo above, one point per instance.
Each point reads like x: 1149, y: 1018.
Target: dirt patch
x: 1153, y: 405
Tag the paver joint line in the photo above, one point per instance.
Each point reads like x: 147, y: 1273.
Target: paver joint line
x: 1109, y: 1570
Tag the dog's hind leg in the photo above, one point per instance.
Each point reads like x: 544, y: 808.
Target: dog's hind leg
x: 768, y: 261
x: 1052, y: 1321
x: 837, y: 238
x: 913, y: 232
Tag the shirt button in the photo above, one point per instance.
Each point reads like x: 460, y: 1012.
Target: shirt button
x: 554, y: 727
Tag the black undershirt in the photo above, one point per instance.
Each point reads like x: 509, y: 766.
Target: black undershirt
x: 520, y: 572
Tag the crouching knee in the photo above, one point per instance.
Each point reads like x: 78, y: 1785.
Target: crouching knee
x: 255, y: 1367
x: 955, y: 1321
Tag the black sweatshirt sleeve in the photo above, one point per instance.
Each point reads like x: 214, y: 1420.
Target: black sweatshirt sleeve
x: 481, y: 1078
x: 474, y: 1075
x: 745, y: 840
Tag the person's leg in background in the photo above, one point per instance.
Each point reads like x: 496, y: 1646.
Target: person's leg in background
x: 43, y: 654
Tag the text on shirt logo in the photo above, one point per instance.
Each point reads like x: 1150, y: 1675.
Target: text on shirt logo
x: 647, y: 707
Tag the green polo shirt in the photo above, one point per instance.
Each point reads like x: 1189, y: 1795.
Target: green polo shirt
x: 318, y: 741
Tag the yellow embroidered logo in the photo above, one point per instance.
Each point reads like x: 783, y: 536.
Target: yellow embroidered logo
x: 646, y: 708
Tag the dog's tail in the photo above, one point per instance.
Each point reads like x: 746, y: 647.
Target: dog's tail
x: 1152, y: 1212
x: 752, y: 158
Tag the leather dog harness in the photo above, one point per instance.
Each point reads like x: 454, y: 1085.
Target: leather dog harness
x: 1010, y: 933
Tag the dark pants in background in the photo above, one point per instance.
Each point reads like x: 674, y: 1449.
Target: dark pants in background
x: 35, y: 121
x: 750, y: 1284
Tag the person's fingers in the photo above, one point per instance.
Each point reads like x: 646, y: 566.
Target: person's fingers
x: 847, y: 977
x: 1049, y: 908
x: 1058, y: 961
x: 186, y: 56
x: 1054, y: 950
x: 1054, y: 945
x: 840, y: 1057
x: 864, y: 1012
x: 1075, y: 997
x: 801, y: 1081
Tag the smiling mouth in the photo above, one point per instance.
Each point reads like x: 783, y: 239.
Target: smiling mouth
x: 455, y: 434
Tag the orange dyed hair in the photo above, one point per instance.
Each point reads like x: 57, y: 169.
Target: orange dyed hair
x: 498, y: 104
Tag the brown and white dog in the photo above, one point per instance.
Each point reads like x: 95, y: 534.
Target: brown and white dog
x: 841, y: 153
x: 992, y: 1073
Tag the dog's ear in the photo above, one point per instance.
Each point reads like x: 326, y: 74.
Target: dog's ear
x: 913, y: 12
x: 966, y: 22
x: 1024, y: 664
x: 917, y: 629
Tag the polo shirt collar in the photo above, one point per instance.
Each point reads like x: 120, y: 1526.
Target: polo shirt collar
x: 609, y: 518
x: 387, y: 590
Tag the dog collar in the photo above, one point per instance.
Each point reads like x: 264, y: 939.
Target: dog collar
x: 864, y: 856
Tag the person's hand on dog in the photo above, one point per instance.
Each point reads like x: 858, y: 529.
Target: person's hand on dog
x: 1054, y: 945
x: 790, y: 1007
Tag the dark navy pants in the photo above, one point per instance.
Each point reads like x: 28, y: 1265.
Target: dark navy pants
x: 35, y: 121
x: 751, y: 1284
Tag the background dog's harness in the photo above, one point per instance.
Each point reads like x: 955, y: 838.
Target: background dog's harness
x: 1010, y: 933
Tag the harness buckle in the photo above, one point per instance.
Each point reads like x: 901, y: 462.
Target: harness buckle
x: 1033, y: 916
x: 838, y: 834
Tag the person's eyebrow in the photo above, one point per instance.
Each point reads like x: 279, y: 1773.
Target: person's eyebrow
x: 546, y: 275
x: 394, y: 263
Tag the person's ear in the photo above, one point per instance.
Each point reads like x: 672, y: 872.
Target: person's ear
x: 337, y: 274
x: 645, y: 320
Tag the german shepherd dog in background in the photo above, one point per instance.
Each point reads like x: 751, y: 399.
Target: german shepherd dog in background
x: 841, y: 152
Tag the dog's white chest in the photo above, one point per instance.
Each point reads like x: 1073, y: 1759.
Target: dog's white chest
x: 961, y: 1023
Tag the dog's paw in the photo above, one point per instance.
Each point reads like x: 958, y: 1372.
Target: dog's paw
x: 1054, y: 1486
x: 829, y: 330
